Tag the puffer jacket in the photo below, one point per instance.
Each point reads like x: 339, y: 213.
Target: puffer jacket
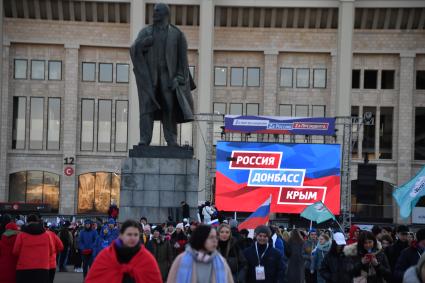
x: 374, y: 274
x: 334, y: 268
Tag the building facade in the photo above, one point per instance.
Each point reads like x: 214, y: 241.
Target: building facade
x: 69, y: 102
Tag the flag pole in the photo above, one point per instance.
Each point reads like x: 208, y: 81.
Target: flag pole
x: 235, y: 216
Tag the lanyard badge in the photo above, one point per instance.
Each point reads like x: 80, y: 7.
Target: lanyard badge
x: 260, y: 273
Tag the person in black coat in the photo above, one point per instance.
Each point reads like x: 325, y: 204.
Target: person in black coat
x: 335, y: 264
x: 410, y: 256
x: 393, y: 252
x: 185, y: 210
x: 229, y: 249
x: 263, y: 254
x: 245, y: 242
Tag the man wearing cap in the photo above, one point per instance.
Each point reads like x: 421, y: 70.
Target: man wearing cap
x: 87, y: 245
x: 410, y: 256
x: 335, y: 264
x: 393, y: 252
x: 264, y: 261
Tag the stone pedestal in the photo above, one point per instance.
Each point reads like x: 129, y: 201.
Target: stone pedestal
x: 154, y: 188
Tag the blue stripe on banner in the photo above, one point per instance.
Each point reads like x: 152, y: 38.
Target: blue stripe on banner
x: 262, y: 211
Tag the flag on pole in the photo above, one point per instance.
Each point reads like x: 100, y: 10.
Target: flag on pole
x: 317, y: 212
x: 258, y: 217
x: 409, y: 194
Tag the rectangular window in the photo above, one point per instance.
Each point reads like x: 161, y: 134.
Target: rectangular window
x: 386, y: 133
x: 370, y: 79
x: 236, y: 76
x: 369, y: 114
x: 89, y: 72
x: 286, y: 77
x: 192, y: 71
x: 53, y: 123
x: 55, y: 70
x: 387, y: 79
x: 301, y: 110
x: 104, y: 116
x: 252, y: 109
x: 37, y: 69
x: 236, y: 109
x: 419, y: 133
x: 105, y: 72
x: 34, y: 187
x: 420, y: 79
x: 303, y: 78
x: 319, y: 111
x: 253, y: 77
x: 87, y: 124
x: 20, y: 69
x: 17, y: 186
x: 220, y: 76
x: 355, y: 79
x: 355, y: 131
x: 19, y: 115
x: 36, y: 122
x: 319, y: 78
x: 122, y: 73
x: 285, y: 110
x: 121, y: 117
x: 219, y: 108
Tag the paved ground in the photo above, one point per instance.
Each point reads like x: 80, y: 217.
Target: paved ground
x: 68, y: 277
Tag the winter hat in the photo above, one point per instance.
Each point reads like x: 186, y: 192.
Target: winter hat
x: 402, y: 229
x: 20, y: 223
x: 12, y: 226
x: 233, y: 223
x: 180, y: 225
x: 263, y: 229
x: 420, y: 235
x: 111, y: 221
x: 33, y: 218
x: 312, y: 230
x: 87, y: 221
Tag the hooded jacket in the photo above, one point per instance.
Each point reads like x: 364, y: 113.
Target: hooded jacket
x: 33, y: 248
x: 351, y: 239
x: 373, y: 274
x: 7, y: 259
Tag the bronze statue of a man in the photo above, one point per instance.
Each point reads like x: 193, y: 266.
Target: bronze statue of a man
x: 164, y: 83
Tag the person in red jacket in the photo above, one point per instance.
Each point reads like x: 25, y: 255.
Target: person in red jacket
x: 58, y: 248
x: 125, y: 260
x: 353, y: 235
x: 7, y: 259
x: 33, y: 248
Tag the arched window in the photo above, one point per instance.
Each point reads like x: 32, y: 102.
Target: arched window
x: 35, y: 187
x: 97, y: 191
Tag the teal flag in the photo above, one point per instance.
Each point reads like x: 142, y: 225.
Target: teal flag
x: 409, y: 194
x: 317, y: 212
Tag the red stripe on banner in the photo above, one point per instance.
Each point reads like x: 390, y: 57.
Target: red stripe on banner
x: 231, y: 196
x: 252, y: 223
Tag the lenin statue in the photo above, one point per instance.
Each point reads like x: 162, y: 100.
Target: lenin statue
x: 164, y: 83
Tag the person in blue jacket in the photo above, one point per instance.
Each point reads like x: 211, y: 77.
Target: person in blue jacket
x: 107, y: 235
x: 87, y: 245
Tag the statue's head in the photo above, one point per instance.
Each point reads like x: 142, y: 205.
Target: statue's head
x: 161, y: 13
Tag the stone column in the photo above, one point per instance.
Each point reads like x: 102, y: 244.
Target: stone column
x: 205, y: 77
x: 137, y: 22
x: 405, y: 117
x: 270, y: 82
x: 6, y: 120
x: 344, y: 57
x: 69, y: 184
x: 333, y: 76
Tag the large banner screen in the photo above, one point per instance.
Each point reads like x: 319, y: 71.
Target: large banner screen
x: 296, y: 175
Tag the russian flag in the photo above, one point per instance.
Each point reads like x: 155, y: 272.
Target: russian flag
x: 258, y: 217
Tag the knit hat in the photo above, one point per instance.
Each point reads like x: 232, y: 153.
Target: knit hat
x: 312, y: 230
x: 180, y: 225
x: 12, y: 226
x: 263, y: 229
x: 20, y: 223
x: 111, y: 221
x: 402, y: 229
x: 87, y: 221
x: 420, y: 235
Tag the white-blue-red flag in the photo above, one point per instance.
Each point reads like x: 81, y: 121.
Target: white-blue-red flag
x: 258, y: 217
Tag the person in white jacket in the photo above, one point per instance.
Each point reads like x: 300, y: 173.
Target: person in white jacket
x: 207, y: 212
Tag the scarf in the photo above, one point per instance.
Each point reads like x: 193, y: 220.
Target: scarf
x: 325, y: 247
x: 125, y: 254
x: 184, y: 274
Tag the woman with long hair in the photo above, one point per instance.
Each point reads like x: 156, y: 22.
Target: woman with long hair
x: 201, y: 262
x: 229, y: 249
x: 294, y: 252
x: 369, y: 262
x: 125, y: 260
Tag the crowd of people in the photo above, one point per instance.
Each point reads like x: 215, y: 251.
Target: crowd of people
x: 191, y: 251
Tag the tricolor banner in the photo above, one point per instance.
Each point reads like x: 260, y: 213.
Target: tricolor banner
x: 296, y: 175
